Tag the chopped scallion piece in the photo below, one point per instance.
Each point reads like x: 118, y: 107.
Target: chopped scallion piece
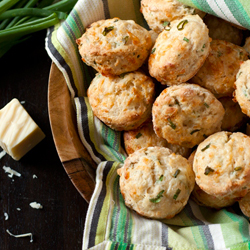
x: 176, y: 173
x: 153, y: 51
x: 107, y: 30
x: 194, y: 131
x: 138, y: 135
x: 208, y: 170
x: 166, y: 23
x: 203, y: 149
x: 181, y: 25
x: 125, y: 39
x: 206, y: 105
x: 176, y: 194
x: 186, y: 39
x: 237, y: 168
x: 161, y: 178
x: 157, y: 199
x: 171, y: 124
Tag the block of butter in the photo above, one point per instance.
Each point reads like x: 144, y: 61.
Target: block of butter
x: 18, y: 132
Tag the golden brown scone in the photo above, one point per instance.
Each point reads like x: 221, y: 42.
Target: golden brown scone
x: 222, y: 165
x: 220, y: 29
x: 114, y: 46
x: 179, y: 52
x: 155, y: 182
x: 122, y: 103
x: 244, y: 204
x: 186, y: 114
x: 144, y: 136
x: 207, y: 200
x: 218, y: 73
x: 242, y: 87
x: 159, y: 13
x: 233, y: 118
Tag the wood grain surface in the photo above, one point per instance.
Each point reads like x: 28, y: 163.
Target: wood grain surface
x: 75, y: 158
x: 25, y: 71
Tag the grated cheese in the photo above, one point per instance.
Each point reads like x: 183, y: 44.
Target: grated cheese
x: 34, y: 176
x: 6, y: 216
x: 21, y: 235
x: 2, y: 154
x: 11, y: 172
x: 18, y: 209
x: 36, y: 205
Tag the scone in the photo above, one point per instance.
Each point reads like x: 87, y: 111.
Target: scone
x: 186, y: 114
x: 122, y: 102
x: 222, y: 165
x: 145, y: 136
x: 155, y: 182
x: 233, y: 118
x: 180, y: 51
x: 242, y: 87
x: 220, y: 29
x: 114, y: 46
x: 244, y: 204
x: 207, y: 200
x: 159, y: 13
x: 219, y: 71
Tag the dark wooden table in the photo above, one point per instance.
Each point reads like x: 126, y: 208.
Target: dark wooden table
x: 60, y: 224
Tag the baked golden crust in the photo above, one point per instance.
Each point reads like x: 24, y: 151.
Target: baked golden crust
x: 122, y: 103
x: 114, y: 46
x: 218, y: 73
x: 158, y: 13
x: 155, y: 182
x: 144, y: 136
x: 220, y: 29
x: 242, y: 86
x: 179, y: 52
x: 233, y: 118
x: 221, y: 165
x: 186, y: 114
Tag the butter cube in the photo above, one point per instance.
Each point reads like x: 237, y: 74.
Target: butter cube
x: 18, y: 132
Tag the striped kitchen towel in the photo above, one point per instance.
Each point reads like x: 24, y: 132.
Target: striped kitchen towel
x: 109, y: 223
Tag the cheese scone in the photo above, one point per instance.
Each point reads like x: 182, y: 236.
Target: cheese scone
x: 114, y: 46
x: 159, y: 13
x: 242, y: 87
x: 186, y: 114
x: 219, y: 71
x: 155, y: 182
x: 222, y: 165
x: 144, y: 136
x: 179, y: 51
x: 122, y: 102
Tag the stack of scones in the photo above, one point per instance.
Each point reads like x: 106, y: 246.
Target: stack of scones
x: 180, y: 92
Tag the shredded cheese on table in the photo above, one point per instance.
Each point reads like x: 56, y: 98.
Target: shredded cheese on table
x: 6, y: 216
x: 36, y: 205
x: 21, y: 235
x: 2, y: 154
x: 11, y: 172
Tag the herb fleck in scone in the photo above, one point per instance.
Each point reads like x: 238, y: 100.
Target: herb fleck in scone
x: 222, y: 165
x: 145, y: 136
x: 219, y: 71
x: 179, y: 51
x: 186, y: 114
x: 114, y: 46
x: 155, y: 182
x: 122, y: 102
x: 159, y: 13
x: 242, y: 87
